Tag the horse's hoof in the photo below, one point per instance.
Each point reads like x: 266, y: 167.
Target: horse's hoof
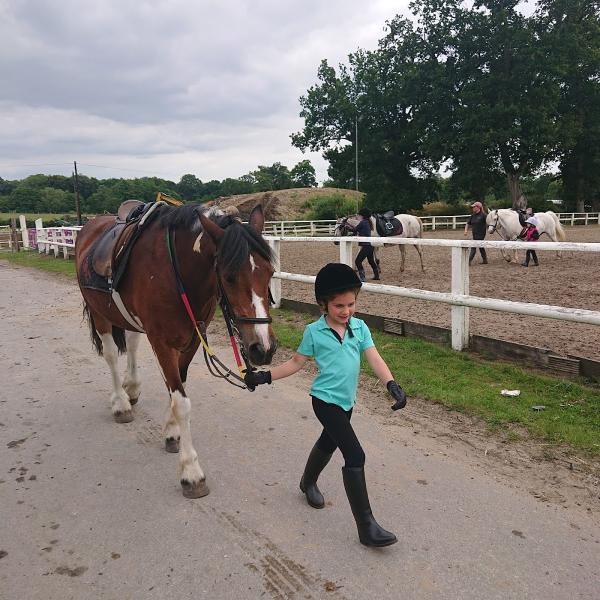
x: 133, y: 401
x: 123, y: 416
x: 194, y: 490
x: 172, y: 445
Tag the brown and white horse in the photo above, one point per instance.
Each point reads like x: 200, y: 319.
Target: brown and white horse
x: 212, y: 262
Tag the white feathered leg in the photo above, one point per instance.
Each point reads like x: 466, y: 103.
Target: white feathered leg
x: 120, y: 405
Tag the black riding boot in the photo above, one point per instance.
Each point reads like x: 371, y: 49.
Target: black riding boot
x: 370, y: 533
x: 361, y: 275
x: 317, y: 461
x: 376, y: 274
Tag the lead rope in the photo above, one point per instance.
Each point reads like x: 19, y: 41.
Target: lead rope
x: 215, y: 366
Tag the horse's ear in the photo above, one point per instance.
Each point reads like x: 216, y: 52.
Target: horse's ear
x: 257, y: 218
x: 213, y: 230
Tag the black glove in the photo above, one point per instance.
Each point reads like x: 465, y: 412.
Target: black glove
x: 398, y: 394
x: 253, y: 378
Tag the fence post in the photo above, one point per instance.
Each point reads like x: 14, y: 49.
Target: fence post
x: 313, y: 229
x: 572, y: 219
x: 432, y: 223
x: 460, y: 285
x: 24, y: 232
x: 346, y: 252
x: 39, y: 234
x: 275, y: 284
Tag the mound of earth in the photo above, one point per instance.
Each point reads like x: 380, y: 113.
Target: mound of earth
x: 280, y: 205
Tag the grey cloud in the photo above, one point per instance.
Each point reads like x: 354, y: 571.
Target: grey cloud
x: 106, y: 77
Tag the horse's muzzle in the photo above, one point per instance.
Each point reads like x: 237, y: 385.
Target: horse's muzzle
x: 258, y: 355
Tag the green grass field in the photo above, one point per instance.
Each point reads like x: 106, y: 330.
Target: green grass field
x: 459, y: 381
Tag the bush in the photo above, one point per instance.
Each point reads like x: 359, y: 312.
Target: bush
x: 330, y: 206
x: 435, y: 209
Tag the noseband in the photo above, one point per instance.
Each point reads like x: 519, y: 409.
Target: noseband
x: 495, y: 225
x: 229, y: 313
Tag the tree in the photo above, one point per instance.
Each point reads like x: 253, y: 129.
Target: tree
x: 190, y: 187
x: 304, y: 174
x: 503, y: 109
x: 275, y: 177
x: 570, y: 31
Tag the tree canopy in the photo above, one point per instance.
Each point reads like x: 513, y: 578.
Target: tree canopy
x: 481, y: 90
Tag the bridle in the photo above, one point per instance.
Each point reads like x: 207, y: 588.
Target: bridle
x: 342, y: 226
x: 495, y: 225
x: 215, y: 366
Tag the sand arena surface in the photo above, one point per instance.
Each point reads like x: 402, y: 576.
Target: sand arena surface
x: 570, y: 281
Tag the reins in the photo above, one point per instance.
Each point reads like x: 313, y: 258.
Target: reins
x: 215, y: 366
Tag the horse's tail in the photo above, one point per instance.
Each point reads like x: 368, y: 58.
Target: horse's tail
x: 420, y: 226
x: 96, y: 341
x: 118, y: 333
x: 560, y: 232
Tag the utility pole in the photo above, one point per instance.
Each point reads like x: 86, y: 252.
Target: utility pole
x: 356, y: 155
x: 77, y: 203
x: 356, y: 149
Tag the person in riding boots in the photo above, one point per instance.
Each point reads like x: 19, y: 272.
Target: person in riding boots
x: 530, y: 234
x: 477, y: 221
x: 363, y: 229
x: 336, y: 342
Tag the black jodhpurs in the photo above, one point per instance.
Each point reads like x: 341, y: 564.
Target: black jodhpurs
x: 529, y: 254
x: 474, y: 250
x: 338, y: 433
x: 366, y: 252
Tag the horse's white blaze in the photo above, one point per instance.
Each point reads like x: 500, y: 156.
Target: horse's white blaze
x: 118, y: 399
x: 188, y: 459
x: 262, y: 331
x: 196, y: 246
x: 252, y: 263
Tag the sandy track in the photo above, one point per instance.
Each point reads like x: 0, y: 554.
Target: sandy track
x: 570, y: 281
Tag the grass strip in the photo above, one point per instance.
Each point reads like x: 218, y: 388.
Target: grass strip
x: 466, y: 383
x: 27, y: 258
x: 458, y: 380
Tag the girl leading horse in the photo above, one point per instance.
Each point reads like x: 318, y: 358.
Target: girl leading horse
x: 209, y: 258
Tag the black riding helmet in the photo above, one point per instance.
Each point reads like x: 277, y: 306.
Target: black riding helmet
x: 335, y: 277
x: 365, y: 212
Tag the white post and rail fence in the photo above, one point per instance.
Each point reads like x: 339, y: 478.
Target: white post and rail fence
x: 458, y: 296
x: 61, y: 241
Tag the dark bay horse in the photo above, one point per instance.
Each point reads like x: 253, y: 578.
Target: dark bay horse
x: 233, y: 262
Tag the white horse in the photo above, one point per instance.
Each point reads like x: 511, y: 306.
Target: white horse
x: 505, y: 222
x: 412, y: 227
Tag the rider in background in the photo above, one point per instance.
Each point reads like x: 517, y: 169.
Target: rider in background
x: 479, y: 228
x: 363, y: 229
x: 530, y: 234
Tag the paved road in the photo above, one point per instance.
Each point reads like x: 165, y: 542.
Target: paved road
x: 92, y: 509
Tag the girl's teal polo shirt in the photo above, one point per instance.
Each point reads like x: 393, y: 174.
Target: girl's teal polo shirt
x: 339, y: 363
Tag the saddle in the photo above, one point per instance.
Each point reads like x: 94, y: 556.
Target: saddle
x: 522, y: 216
x: 387, y: 224
x: 110, y: 253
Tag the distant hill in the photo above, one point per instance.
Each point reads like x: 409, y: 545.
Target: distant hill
x: 280, y: 205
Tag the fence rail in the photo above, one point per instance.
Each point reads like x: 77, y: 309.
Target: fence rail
x: 431, y: 223
x: 458, y: 297
x: 61, y: 240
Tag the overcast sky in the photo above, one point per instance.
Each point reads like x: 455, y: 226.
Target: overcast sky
x: 167, y: 87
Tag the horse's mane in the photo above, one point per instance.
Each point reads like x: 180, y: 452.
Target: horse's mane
x: 239, y: 241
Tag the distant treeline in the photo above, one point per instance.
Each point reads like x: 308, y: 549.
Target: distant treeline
x: 56, y: 193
